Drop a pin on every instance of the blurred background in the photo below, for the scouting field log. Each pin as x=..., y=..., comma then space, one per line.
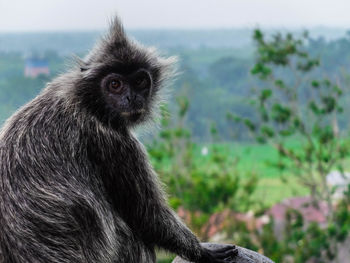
x=254, y=143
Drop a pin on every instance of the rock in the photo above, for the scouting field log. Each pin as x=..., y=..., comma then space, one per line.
x=244, y=255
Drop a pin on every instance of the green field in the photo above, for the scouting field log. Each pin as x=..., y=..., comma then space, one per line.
x=256, y=158
x=248, y=159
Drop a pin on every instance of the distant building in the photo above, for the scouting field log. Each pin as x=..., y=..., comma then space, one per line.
x=35, y=67
x=304, y=205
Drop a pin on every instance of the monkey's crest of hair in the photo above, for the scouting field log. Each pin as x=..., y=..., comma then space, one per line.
x=115, y=48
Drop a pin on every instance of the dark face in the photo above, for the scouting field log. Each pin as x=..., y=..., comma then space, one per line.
x=118, y=96
x=127, y=95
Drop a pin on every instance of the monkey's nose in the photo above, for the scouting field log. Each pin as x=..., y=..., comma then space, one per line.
x=128, y=98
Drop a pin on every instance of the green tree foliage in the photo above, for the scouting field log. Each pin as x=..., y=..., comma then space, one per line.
x=302, y=108
x=202, y=188
x=303, y=242
x=306, y=109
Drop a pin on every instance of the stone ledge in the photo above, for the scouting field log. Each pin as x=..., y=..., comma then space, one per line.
x=244, y=255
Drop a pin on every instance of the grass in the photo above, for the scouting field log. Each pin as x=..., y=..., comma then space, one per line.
x=256, y=158
x=253, y=158
x=273, y=190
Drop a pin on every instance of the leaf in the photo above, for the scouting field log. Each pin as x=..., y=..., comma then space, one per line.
x=315, y=84
x=267, y=131
x=265, y=94
x=250, y=125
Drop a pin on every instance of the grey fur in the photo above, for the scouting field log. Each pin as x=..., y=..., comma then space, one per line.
x=76, y=184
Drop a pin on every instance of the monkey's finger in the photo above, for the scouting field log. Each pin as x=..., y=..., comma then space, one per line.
x=228, y=253
x=231, y=259
x=225, y=248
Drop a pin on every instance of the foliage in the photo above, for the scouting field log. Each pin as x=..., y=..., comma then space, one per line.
x=307, y=242
x=304, y=108
x=202, y=188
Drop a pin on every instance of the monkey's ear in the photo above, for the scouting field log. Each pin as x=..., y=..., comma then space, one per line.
x=80, y=63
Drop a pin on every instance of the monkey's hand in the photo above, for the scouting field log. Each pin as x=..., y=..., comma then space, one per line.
x=224, y=254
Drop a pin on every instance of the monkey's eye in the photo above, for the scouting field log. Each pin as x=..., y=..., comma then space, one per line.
x=115, y=85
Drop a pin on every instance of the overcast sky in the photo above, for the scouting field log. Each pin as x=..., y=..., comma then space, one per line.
x=34, y=15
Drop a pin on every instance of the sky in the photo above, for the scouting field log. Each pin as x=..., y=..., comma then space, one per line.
x=48, y=15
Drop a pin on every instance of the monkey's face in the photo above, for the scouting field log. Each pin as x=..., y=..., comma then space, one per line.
x=119, y=94
x=120, y=82
x=127, y=95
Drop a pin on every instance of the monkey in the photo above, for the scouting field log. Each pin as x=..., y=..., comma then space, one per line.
x=76, y=184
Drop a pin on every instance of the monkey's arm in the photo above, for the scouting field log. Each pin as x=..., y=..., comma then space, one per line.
x=168, y=232
x=156, y=223
x=162, y=227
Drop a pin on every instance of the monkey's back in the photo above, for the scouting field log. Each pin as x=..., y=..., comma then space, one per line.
x=53, y=207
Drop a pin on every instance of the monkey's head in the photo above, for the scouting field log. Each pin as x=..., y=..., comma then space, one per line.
x=120, y=81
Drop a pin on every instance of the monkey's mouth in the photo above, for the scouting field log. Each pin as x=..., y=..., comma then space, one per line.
x=133, y=114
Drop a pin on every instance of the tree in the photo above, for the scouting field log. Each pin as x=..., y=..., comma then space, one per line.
x=298, y=115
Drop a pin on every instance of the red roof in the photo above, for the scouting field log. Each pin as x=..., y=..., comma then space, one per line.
x=304, y=205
